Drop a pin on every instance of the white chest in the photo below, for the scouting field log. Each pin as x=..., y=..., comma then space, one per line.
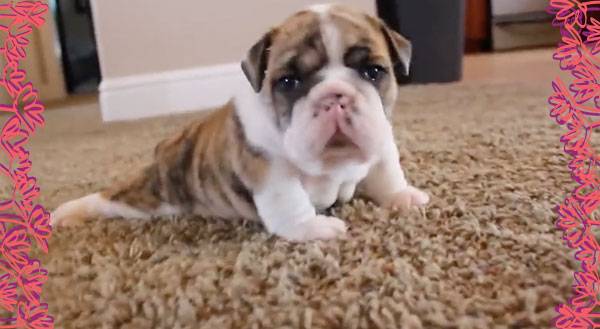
x=325, y=190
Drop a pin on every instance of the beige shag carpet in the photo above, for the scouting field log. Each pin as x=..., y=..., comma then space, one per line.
x=484, y=254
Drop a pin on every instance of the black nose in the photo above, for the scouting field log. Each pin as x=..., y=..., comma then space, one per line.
x=338, y=96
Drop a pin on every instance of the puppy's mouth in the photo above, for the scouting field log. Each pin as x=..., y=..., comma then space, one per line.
x=339, y=141
x=341, y=148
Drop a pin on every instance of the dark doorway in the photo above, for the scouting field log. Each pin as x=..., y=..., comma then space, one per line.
x=78, y=45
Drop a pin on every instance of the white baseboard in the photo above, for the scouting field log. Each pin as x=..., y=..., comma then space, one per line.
x=164, y=93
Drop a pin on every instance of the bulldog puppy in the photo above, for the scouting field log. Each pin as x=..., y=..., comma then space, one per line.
x=311, y=127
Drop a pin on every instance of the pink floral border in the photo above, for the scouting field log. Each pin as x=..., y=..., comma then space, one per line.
x=577, y=107
x=23, y=222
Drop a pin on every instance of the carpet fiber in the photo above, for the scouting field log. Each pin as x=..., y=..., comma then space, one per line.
x=484, y=254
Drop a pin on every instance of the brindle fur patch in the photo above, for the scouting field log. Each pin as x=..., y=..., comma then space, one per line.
x=141, y=191
x=298, y=50
x=211, y=156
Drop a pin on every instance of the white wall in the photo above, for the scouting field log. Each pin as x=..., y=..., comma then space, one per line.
x=160, y=57
x=144, y=36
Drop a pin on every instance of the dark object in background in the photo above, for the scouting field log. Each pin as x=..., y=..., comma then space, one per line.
x=436, y=29
x=78, y=45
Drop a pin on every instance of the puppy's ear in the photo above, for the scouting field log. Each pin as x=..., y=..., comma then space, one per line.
x=255, y=64
x=400, y=49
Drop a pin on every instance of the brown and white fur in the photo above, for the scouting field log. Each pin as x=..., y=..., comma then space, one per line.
x=312, y=127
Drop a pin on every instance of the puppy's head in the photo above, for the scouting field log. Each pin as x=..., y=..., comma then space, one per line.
x=329, y=75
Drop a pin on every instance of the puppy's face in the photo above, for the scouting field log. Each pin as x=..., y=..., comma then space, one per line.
x=329, y=77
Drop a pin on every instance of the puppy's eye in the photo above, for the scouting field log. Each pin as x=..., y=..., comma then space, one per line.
x=288, y=83
x=372, y=73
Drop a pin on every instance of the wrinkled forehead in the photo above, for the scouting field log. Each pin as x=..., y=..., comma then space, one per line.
x=310, y=39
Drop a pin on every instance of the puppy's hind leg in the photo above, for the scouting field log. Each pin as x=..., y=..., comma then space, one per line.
x=138, y=198
x=91, y=206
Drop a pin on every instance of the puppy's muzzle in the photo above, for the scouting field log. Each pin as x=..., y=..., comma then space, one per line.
x=333, y=98
x=334, y=105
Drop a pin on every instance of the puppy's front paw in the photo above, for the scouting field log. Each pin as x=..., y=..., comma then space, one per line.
x=407, y=198
x=315, y=228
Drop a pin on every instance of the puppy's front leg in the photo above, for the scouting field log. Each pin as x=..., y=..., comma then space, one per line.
x=387, y=186
x=285, y=209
